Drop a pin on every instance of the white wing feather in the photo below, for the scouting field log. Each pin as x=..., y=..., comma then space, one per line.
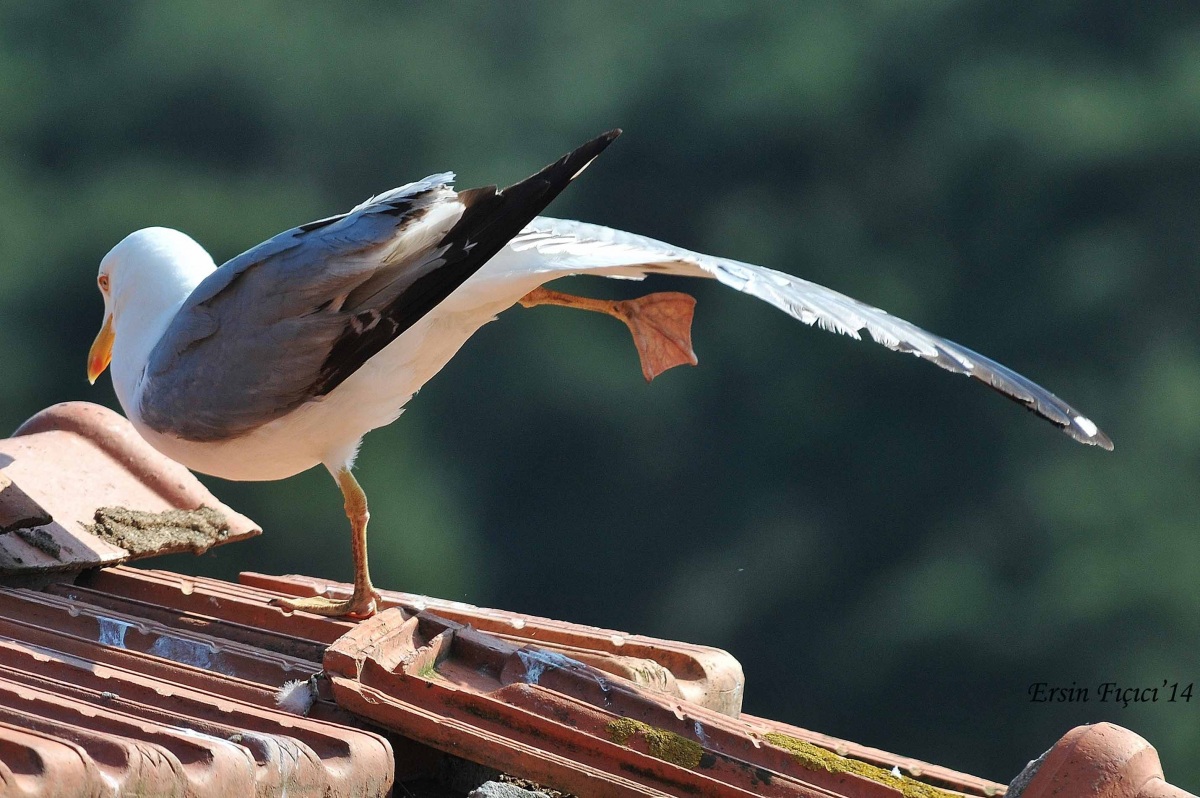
x=550, y=248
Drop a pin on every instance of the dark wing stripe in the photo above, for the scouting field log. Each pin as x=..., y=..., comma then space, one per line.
x=490, y=220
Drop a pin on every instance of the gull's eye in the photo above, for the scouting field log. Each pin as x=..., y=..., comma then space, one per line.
x=103, y=281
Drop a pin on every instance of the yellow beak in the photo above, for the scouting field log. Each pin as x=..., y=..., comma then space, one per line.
x=101, y=352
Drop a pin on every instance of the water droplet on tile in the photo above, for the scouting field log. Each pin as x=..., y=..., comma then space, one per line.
x=517, y=623
x=617, y=640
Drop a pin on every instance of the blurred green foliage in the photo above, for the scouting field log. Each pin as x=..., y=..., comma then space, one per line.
x=894, y=554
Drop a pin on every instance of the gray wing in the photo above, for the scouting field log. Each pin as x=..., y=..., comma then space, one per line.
x=560, y=246
x=291, y=319
x=248, y=343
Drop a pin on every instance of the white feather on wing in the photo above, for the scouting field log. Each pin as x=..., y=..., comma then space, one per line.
x=557, y=247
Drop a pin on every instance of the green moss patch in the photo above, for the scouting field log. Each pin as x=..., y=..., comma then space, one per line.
x=814, y=757
x=662, y=744
x=142, y=533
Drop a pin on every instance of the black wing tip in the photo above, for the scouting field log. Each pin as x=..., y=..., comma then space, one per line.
x=586, y=152
x=611, y=135
x=489, y=221
x=558, y=174
x=598, y=143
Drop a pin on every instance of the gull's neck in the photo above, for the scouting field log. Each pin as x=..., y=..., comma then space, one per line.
x=156, y=270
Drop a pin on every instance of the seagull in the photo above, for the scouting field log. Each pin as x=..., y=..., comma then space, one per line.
x=286, y=356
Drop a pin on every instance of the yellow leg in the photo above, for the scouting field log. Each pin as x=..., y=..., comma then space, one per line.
x=362, y=603
x=661, y=324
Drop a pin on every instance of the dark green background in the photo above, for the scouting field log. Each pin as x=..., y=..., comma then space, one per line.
x=893, y=553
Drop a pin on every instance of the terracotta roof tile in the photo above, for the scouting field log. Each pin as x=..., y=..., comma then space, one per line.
x=522, y=707
x=146, y=676
x=700, y=674
x=17, y=510
x=173, y=709
x=30, y=760
x=68, y=462
x=1102, y=760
